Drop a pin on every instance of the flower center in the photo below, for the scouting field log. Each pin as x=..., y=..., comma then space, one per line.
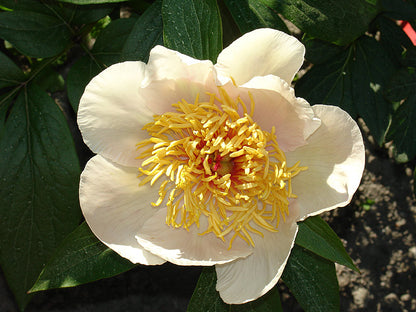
x=216, y=163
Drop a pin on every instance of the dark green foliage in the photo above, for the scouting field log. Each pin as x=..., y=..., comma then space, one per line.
x=358, y=58
x=317, y=236
x=81, y=258
x=38, y=188
x=193, y=28
x=306, y=268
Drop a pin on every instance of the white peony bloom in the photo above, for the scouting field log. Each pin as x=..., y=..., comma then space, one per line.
x=202, y=164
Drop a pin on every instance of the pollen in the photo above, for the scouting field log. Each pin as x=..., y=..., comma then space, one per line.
x=215, y=162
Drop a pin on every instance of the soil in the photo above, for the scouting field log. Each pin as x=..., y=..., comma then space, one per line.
x=378, y=230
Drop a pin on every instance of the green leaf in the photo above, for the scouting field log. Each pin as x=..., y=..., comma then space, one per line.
x=206, y=299
x=106, y=51
x=11, y=74
x=253, y=14
x=39, y=173
x=81, y=258
x=317, y=236
x=312, y=280
x=49, y=80
x=318, y=51
x=109, y=44
x=34, y=34
x=393, y=38
x=193, y=28
x=402, y=130
x=3, y=114
x=84, y=2
x=336, y=21
x=410, y=57
x=78, y=77
x=24, y=5
x=399, y=9
x=354, y=80
x=402, y=85
x=147, y=32
x=79, y=15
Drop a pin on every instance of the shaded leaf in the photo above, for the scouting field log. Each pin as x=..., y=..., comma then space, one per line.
x=318, y=51
x=145, y=34
x=399, y=9
x=78, y=15
x=78, y=77
x=410, y=57
x=336, y=21
x=206, y=299
x=106, y=51
x=354, y=80
x=393, y=38
x=109, y=44
x=49, y=80
x=402, y=85
x=3, y=115
x=81, y=258
x=34, y=34
x=317, y=236
x=193, y=28
x=11, y=74
x=312, y=280
x=330, y=82
x=84, y=2
x=402, y=130
x=39, y=173
x=253, y=14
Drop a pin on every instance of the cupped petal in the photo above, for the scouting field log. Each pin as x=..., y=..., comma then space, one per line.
x=260, y=53
x=275, y=105
x=335, y=157
x=169, y=64
x=161, y=94
x=188, y=247
x=175, y=76
x=247, y=279
x=115, y=207
x=112, y=113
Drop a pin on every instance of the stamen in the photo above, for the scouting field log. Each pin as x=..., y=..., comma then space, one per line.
x=219, y=165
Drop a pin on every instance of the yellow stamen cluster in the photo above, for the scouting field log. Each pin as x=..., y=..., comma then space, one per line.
x=216, y=163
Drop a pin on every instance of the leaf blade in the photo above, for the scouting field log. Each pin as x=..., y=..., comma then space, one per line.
x=34, y=34
x=312, y=280
x=80, y=259
x=38, y=189
x=316, y=235
x=254, y=14
x=145, y=34
x=193, y=28
x=328, y=20
x=355, y=81
x=11, y=74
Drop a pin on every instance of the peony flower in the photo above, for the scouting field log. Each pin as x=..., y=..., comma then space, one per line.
x=202, y=164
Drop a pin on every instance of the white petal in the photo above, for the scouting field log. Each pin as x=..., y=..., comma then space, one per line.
x=115, y=207
x=276, y=105
x=161, y=94
x=184, y=247
x=112, y=113
x=335, y=158
x=169, y=64
x=247, y=279
x=172, y=76
x=260, y=53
